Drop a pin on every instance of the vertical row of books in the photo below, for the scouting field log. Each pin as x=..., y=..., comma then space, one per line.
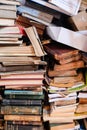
x=22, y=70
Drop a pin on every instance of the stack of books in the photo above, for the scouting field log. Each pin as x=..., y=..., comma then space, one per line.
x=82, y=100
x=21, y=71
x=22, y=102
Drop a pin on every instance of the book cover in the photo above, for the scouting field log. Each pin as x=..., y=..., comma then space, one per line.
x=21, y=110
x=68, y=37
x=60, y=51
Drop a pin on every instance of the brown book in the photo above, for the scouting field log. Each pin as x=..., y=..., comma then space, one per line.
x=71, y=59
x=67, y=85
x=67, y=79
x=21, y=110
x=53, y=73
x=83, y=100
x=63, y=126
x=72, y=65
x=22, y=117
x=26, y=22
x=81, y=108
x=59, y=51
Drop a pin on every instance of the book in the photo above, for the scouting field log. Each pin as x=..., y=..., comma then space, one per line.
x=9, y=30
x=59, y=51
x=17, y=51
x=23, y=75
x=35, y=19
x=23, y=60
x=3, y=43
x=22, y=92
x=24, y=87
x=72, y=65
x=22, y=117
x=8, y=7
x=34, y=97
x=67, y=79
x=11, y=35
x=22, y=102
x=18, y=68
x=7, y=14
x=35, y=13
x=64, y=102
x=35, y=41
x=81, y=108
x=21, y=110
x=26, y=22
x=71, y=38
x=79, y=21
x=66, y=6
x=24, y=123
x=71, y=59
x=30, y=82
x=53, y=73
x=62, y=126
x=7, y=22
x=10, y=2
x=22, y=126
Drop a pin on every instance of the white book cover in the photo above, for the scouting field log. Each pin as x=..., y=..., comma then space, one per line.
x=70, y=7
x=82, y=95
x=68, y=37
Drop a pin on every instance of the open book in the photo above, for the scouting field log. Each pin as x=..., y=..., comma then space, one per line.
x=68, y=37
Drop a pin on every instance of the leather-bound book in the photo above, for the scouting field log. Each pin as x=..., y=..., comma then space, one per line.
x=60, y=51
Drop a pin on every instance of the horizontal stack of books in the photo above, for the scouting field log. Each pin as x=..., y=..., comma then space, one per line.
x=21, y=71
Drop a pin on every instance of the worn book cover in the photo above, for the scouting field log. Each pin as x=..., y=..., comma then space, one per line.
x=60, y=51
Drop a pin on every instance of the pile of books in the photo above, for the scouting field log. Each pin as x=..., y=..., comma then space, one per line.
x=21, y=71
x=43, y=45
x=64, y=77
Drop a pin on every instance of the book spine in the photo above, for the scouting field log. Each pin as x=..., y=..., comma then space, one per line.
x=21, y=110
x=13, y=96
x=22, y=127
x=22, y=92
x=21, y=102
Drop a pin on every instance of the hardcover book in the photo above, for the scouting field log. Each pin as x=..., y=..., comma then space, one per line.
x=60, y=51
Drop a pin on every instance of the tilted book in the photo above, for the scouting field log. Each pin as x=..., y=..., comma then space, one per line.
x=68, y=37
x=35, y=41
x=69, y=7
